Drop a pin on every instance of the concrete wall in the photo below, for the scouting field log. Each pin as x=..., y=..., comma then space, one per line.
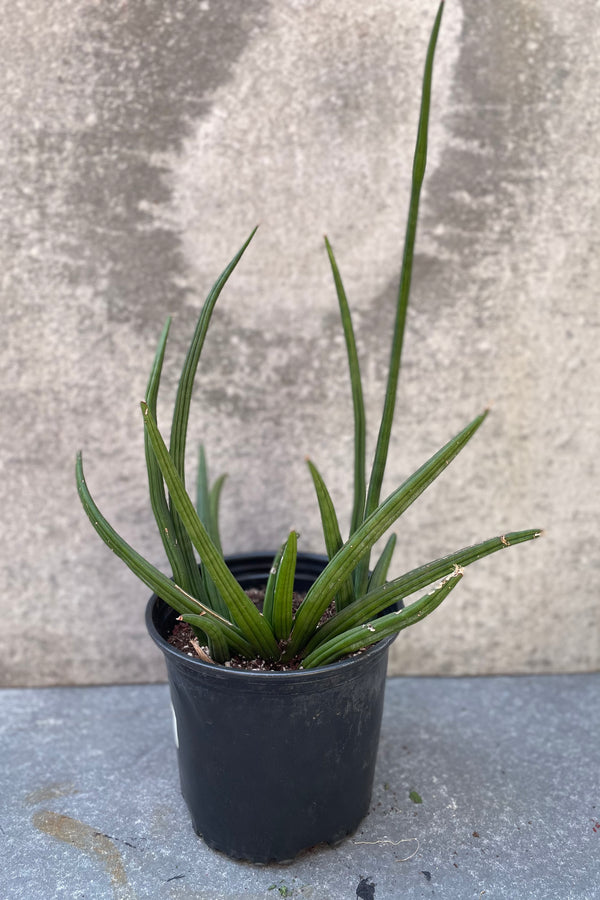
x=141, y=141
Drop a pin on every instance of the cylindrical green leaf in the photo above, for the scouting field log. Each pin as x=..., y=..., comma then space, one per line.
x=269, y=600
x=419, y=163
x=378, y=599
x=184, y=396
x=185, y=570
x=377, y=629
x=327, y=584
x=331, y=533
x=157, y=581
x=358, y=507
x=379, y=573
x=284, y=589
x=233, y=640
x=254, y=627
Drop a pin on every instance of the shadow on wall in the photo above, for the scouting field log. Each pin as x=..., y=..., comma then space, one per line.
x=508, y=79
x=154, y=67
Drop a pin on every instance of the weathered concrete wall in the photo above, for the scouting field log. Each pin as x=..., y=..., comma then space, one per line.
x=140, y=142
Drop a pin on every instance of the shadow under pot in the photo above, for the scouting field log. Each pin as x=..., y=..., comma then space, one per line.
x=273, y=763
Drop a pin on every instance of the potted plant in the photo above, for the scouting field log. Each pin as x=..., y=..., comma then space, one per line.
x=277, y=713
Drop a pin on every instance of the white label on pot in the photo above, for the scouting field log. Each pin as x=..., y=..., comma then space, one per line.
x=175, y=734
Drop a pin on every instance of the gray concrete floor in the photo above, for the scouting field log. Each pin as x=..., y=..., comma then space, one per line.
x=508, y=770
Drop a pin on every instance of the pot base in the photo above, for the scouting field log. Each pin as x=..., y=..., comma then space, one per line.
x=280, y=862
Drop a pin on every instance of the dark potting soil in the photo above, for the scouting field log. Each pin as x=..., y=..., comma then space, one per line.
x=184, y=639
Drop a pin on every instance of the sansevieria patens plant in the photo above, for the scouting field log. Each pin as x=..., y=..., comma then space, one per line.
x=209, y=598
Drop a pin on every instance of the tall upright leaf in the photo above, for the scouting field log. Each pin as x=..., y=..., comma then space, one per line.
x=418, y=172
x=357, y=396
x=183, y=399
x=185, y=570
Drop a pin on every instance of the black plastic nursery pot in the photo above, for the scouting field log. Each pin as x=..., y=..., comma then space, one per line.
x=273, y=763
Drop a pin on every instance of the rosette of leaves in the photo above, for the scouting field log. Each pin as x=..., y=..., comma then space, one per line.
x=208, y=596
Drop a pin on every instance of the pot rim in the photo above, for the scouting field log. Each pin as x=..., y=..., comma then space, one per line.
x=217, y=670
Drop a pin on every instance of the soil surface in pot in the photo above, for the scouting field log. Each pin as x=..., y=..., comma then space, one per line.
x=184, y=639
